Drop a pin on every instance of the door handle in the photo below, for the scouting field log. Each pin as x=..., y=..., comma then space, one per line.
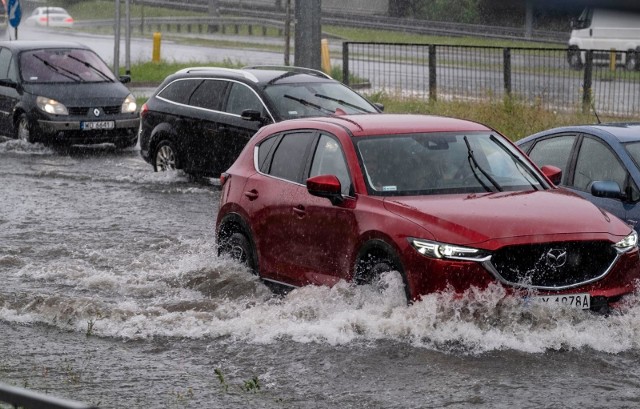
x=251, y=194
x=299, y=210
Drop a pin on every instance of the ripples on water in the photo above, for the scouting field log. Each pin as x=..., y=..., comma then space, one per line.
x=141, y=285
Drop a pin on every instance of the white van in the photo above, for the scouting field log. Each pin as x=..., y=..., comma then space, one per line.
x=603, y=30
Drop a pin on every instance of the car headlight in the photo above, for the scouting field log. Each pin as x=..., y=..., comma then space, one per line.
x=51, y=106
x=129, y=105
x=434, y=249
x=628, y=243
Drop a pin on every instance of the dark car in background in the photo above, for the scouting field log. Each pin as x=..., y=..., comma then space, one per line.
x=200, y=118
x=449, y=204
x=598, y=162
x=63, y=92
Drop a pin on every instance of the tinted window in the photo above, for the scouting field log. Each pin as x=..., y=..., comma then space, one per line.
x=242, y=97
x=329, y=160
x=209, y=94
x=597, y=162
x=5, y=62
x=180, y=90
x=288, y=158
x=265, y=149
x=555, y=152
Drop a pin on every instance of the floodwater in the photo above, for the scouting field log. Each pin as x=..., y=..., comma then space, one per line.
x=112, y=294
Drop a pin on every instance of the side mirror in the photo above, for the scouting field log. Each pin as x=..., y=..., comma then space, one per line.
x=5, y=82
x=125, y=79
x=606, y=188
x=326, y=186
x=251, y=115
x=553, y=173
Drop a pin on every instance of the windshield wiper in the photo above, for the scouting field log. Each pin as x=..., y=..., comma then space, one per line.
x=309, y=104
x=89, y=65
x=472, y=158
x=341, y=102
x=59, y=70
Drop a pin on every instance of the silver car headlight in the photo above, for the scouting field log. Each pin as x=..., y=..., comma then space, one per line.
x=129, y=105
x=438, y=250
x=51, y=106
x=628, y=243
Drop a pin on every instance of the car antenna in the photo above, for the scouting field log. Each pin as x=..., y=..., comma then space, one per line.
x=593, y=106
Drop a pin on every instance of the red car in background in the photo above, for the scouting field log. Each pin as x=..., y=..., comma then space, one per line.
x=450, y=204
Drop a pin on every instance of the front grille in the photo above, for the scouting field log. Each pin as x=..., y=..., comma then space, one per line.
x=84, y=111
x=553, y=265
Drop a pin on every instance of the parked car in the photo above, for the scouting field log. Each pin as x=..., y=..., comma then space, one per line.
x=199, y=119
x=49, y=17
x=448, y=203
x=598, y=162
x=63, y=92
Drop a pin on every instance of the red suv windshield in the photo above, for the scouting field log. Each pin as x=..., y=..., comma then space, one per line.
x=444, y=163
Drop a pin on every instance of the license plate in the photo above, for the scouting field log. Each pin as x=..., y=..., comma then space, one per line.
x=581, y=301
x=86, y=126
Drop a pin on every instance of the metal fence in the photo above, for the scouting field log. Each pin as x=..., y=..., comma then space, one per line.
x=540, y=76
x=27, y=399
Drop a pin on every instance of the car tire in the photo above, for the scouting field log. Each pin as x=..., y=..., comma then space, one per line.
x=574, y=59
x=377, y=261
x=631, y=63
x=165, y=156
x=23, y=129
x=238, y=246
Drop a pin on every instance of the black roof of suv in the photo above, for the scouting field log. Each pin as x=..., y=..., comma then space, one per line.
x=200, y=118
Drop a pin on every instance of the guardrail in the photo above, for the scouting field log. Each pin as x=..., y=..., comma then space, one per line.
x=541, y=76
x=24, y=398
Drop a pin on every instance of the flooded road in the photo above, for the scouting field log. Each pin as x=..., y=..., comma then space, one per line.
x=112, y=294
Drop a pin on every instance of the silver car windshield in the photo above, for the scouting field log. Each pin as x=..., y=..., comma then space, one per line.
x=441, y=163
x=309, y=99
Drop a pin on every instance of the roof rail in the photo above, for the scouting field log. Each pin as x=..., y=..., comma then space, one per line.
x=247, y=75
x=300, y=70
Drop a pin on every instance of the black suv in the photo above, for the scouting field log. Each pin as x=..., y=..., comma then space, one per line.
x=200, y=118
x=63, y=92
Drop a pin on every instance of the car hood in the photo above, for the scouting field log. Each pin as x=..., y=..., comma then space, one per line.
x=81, y=94
x=478, y=218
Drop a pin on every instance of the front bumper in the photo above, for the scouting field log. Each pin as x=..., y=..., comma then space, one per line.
x=71, y=131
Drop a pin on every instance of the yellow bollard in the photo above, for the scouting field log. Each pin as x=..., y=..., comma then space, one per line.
x=326, y=60
x=612, y=59
x=155, y=55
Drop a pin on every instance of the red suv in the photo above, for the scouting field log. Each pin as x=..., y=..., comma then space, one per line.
x=449, y=204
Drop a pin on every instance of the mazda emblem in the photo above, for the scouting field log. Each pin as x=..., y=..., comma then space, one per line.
x=96, y=112
x=556, y=258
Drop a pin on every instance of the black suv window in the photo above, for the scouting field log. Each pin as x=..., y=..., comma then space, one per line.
x=242, y=97
x=179, y=90
x=5, y=62
x=209, y=94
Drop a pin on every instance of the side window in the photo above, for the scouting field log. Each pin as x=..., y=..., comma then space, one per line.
x=289, y=156
x=597, y=162
x=179, y=90
x=209, y=94
x=329, y=160
x=5, y=63
x=265, y=150
x=242, y=97
x=554, y=151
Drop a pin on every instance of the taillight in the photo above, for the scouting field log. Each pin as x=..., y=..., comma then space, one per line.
x=144, y=109
x=68, y=20
x=223, y=178
x=43, y=19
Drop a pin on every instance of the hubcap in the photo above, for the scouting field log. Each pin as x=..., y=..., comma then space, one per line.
x=165, y=159
x=237, y=253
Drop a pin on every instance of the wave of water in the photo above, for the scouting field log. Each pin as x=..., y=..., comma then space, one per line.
x=205, y=297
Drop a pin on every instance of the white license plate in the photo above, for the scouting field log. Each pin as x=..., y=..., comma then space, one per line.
x=97, y=125
x=581, y=301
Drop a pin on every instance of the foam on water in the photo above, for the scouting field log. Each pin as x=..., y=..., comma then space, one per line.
x=202, y=296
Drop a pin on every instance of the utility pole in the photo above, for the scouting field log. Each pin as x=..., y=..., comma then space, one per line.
x=308, y=31
x=127, y=36
x=287, y=33
x=116, y=45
